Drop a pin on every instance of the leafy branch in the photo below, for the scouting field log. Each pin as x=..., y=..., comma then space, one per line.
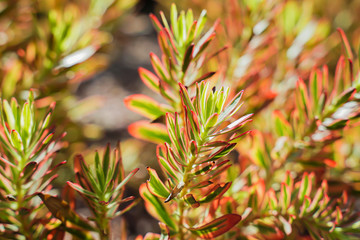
x=27, y=152
x=183, y=43
x=192, y=163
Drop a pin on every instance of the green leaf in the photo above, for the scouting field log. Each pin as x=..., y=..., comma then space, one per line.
x=321, y=104
x=289, y=17
x=231, y=108
x=182, y=28
x=172, y=127
x=16, y=140
x=145, y=106
x=149, y=79
x=336, y=124
x=26, y=122
x=216, y=192
x=156, y=186
x=9, y=114
x=346, y=44
x=81, y=169
x=173, y=18
x=305, y=205
x=14, y=106
x=61, y=210
x=189, y=198
x=201, y=23
x=187, y=57
x=212, y=121
x=106, y=161
x=168, y=168
x=303, y=97
x=159, y=68
x=118, y=188
x=185, y=98
x=191, y=33
x=46, y=121
x=193, y=148
x=165, y=22
x=286, y=225
x=7, y=162
x=285, y=197
x=236, y=125
x=260, y=158
x=99, y=173
x=216, y=227
x=344, y=97
x=29, y=169
x=153, y=132
x=189, y=18
x=82, y=190
x=192, y=118
x=47, y=139
x=205, y=40
x=314, y=84
x=316, y=199
x=155, y=22
x=210, y=105
x=155, y=207
x=173, y=158
x=289, y=181
x=203, y=168
x=272, y=199
x=164, y=45
x=223, y=151
x=305, y=187
x=282, y=126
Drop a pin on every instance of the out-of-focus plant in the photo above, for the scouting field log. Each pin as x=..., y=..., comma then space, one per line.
x=52, y=46
x=183, y=43
x=304, y=139
x=27, y=151
x=102, y=188
x=324, y=106
x=301, y=209
x=270, y=44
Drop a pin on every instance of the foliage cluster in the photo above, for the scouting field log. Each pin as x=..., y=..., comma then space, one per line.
x=276, y=172
x=298, y=139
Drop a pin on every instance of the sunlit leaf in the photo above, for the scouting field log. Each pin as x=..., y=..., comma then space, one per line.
x=155, y=207
x=153, y=132
x=155, y=185
x=216, y=227
x=145, y=106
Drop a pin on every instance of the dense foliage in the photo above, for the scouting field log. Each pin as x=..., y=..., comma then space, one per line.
x=256, y=126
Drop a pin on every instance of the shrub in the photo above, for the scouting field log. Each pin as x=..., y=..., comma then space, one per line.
x=267, y=164
x=279, y=187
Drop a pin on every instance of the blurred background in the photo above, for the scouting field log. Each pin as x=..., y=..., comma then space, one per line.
x=90, y=51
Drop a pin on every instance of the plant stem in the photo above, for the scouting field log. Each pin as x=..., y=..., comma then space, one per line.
x=181, y=210
x=104, y=224
x=185, y=188
x=20, y=196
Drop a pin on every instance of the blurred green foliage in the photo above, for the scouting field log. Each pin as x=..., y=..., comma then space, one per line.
x=52, y=46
